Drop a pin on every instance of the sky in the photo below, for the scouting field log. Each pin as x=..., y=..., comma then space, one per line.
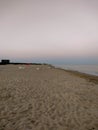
x=55, y=31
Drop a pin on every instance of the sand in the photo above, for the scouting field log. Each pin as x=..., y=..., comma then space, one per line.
x=41, y=97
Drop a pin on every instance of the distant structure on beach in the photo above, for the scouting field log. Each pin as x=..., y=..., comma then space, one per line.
x=5, y=61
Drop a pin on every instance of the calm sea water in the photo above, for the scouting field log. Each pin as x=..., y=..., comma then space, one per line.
x=89, y=69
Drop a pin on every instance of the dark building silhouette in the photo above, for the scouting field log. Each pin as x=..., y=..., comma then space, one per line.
x=5, y=61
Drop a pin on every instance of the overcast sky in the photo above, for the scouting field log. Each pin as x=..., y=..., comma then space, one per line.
x=49, y=29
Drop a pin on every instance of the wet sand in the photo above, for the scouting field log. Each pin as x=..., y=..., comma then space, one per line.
x=41, y=97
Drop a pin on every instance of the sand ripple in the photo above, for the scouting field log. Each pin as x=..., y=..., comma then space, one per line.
x=46, y=99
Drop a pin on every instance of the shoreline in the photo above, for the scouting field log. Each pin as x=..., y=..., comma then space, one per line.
x=91, y=69
x=88, y=77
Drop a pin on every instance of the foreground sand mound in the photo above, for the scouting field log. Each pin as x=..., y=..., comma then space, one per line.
x=40, y=97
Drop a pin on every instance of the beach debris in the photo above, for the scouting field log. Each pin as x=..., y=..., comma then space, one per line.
x=37, y=68
x=21, y=67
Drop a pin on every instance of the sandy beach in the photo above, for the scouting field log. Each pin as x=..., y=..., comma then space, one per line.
x=42, y=97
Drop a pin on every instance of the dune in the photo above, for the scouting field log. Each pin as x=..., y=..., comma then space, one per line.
x=42, y=97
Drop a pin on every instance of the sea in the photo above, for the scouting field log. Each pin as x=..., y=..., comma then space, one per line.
x=88, y=69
